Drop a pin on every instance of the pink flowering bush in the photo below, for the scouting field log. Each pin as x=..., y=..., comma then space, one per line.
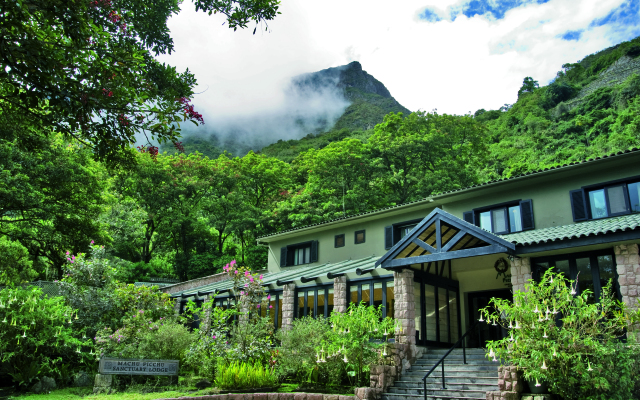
x=221, y=342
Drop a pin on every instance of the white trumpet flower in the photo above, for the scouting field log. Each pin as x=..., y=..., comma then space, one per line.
x=544, y=365
x=589, y=369
x=538, y=383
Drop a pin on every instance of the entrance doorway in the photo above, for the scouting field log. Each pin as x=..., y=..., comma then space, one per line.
x=437, y=310
x=484, y=332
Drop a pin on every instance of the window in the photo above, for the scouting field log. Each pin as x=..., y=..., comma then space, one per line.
x=273, y=310
x=339, y=241
x=395, y=232
x=374, y=292
x=359, y=237
x=314, y=301
x=515, y=216
x=593, y=270
x=299, y=253
x=606, y=200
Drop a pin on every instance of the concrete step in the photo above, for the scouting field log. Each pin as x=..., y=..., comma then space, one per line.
x=451, y=373
x=448, y=362
x=439, y=392
x=437, y=384
x=453, y=357
x=393, y=396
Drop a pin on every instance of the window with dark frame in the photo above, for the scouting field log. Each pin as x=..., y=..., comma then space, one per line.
x=608, y=199
x=339, y=240
x=394, y=233
x=273, y=310
x=299, y=254
x=314, y=301
x=504, y=218
x=374, y=292
x=359, y=237
x=593, y=270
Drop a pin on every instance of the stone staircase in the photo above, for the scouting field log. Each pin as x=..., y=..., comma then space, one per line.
x=463, y=381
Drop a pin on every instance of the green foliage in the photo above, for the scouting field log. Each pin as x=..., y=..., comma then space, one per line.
x=51, y=193
x=297, y=358
x=242, y=375
x=89, y=286
x=62, y=70
x=350, y=340
x=36, y=335
x=15, y=265
x=528, y=86
x=567, y=340
x=143, y=336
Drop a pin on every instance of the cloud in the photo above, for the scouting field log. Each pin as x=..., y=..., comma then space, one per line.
x=425, y=57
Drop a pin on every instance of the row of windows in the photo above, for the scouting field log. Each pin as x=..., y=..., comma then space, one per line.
x=510, y=217
x=358, y=238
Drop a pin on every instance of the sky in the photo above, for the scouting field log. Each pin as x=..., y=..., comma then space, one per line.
x=455, y=56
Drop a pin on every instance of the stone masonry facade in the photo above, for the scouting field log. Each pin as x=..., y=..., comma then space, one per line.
x=520, y=272
x=340, y=303
x=288, y=305
x=628, y=267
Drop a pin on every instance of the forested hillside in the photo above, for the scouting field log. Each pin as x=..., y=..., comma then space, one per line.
x=185, y=215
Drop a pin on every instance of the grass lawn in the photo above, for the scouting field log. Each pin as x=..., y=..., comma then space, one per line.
x=132, y=394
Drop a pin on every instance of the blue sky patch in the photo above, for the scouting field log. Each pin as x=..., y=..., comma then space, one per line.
x=496, y=8
x=429, y=15
x=572, y=35
x=625, y=14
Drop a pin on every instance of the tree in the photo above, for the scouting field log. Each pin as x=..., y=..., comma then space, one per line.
x=50, y=192
x=427, y=153
x=528, y=86
x=85, y=67
x=15, y=264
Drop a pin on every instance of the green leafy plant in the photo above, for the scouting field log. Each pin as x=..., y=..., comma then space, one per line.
x=355, y=337
x=297, y=357
x=244, y=375
x=36, y=334
x=566, y=339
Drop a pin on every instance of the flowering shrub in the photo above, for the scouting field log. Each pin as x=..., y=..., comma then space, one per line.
x=221, y=342
x=354, y=339
x=142, y=336
x=37, y=335
x=566, y=340
x=89, y=285
x=297, y=357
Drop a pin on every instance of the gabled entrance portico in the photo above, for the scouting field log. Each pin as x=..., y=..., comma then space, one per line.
x=432, y=253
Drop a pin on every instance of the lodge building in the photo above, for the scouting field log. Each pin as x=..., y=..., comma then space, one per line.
x=433, y=263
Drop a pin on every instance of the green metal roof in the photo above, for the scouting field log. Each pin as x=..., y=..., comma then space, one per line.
x=291, y=274
x=574, y=231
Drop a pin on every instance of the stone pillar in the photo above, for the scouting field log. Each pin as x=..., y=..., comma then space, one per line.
x=288, y=305
x=205, y=323
x=176, y=307
x=627, y=264
x=520, y=272
x=405, y=311
x=340, y=303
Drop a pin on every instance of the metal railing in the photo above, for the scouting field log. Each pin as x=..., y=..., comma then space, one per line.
x=441, y=361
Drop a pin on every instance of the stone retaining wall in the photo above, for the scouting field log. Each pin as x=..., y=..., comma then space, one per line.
x=267, y=396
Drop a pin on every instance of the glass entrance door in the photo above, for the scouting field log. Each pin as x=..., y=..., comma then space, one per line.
x=484, y=332
x=437, y=311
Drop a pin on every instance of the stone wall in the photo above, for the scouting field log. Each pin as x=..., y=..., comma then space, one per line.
x=520, y=272
x=628, y=266
x=405, y=306
x=340, y=302
x=268, y=396
x=288, y=305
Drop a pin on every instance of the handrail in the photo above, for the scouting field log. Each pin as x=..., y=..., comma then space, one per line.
x=441, y=361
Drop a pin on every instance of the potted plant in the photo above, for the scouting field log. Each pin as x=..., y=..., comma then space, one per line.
x=565, y=339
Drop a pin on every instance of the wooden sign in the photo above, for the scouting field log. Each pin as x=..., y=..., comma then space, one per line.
x=133, y=366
